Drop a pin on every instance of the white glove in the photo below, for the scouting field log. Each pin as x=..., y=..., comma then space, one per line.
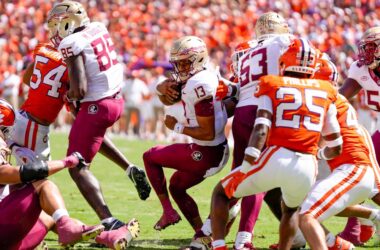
x=23, y=155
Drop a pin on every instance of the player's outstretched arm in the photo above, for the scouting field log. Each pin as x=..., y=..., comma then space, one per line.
x=77, y=76
x=350, y=88
x=37, y=170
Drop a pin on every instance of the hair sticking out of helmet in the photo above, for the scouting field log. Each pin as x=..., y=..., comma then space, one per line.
x=269, y=24
x=369, y=48
x=64, y=18
x=188, y=55
x=300, y=57
x=326, y=70
x=239, y=51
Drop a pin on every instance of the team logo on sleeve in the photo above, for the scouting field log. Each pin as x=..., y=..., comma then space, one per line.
x=197, y=156
x=93, y=109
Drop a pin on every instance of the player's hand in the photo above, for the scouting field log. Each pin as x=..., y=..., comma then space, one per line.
x=165, y=88
x=170, y=122
x=74, y=160
x=221, y=91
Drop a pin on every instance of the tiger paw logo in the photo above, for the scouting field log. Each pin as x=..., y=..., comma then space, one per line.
x=197, y=156
x=93, y=109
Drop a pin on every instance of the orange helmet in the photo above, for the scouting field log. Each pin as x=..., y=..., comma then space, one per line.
x=7, y=114
x=326, y=69
x=300, y=57
x=239, y=51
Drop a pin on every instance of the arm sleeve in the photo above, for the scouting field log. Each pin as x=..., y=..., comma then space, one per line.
x=331, y=124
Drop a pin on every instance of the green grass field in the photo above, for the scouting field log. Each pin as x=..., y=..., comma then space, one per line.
x=124, y=203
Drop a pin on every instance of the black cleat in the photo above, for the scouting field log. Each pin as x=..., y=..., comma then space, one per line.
x=138, y=177
x=115, y=224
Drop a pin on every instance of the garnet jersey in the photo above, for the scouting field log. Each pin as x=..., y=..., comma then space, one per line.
x=197, y=88
x=261, y=60
x=300, y=109
x=103, y=71
x=48, y=84
x=369, y=82
x=355, y=150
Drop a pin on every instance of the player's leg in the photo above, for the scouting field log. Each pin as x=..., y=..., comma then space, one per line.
x=345, y=186
x=136, y=174
x=36, y=235
x=86, y=136
x=69, y=230
x=19, y=213
x=251, y=205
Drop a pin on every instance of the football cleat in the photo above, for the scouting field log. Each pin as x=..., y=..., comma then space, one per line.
x=247, y=246
x=115, y=224
x=341, y=244
x=200, y=241
x=138, y=177
x=120, y=238
x=71, y=231
x=167, y=219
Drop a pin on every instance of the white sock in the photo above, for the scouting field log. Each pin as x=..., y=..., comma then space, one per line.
x=206, y=227
x=108, y=220
x=218, y=243
x=59, y=213
x=330, y=239
x=128, y=170
x=375, y=215
x=241, y=238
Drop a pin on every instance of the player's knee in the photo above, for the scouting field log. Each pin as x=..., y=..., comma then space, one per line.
x=43, y=184
x=176, y=188
x=219, y=192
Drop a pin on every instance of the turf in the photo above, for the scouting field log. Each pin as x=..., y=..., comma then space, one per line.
x=124, y=203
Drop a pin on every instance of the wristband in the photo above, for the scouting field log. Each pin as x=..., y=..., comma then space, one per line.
x=321, y=154
x=338, y=141
x=178, y=128
x=264, y=121
x=253, y=152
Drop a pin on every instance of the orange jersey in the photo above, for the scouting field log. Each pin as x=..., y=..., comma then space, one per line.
x=355, y=149
x=298, y=110
x=48, y=83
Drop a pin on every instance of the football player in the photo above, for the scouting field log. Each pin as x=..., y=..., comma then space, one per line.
x=261, y=59
x=293, y=112
x=95, y=81
x=30, y=204
x=364, y=74
x=48, y=80
x=206, y=119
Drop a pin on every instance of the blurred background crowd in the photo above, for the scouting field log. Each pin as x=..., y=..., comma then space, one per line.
x=143, y=31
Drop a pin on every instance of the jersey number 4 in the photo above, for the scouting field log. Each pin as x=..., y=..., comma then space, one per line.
x=291, y=107
x=52, y=78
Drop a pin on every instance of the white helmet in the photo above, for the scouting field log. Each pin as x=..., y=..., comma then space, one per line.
x=64, y=18
x=269, y=24
x=369, y=48
x=188, y=55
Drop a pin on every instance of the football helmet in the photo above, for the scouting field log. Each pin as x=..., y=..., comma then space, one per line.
x=369, y=48
x=269, y=24
x=326, y=69
x=188, y=55
x=64, y=18
x=239, y=51
x=300, y=57
x=7, y=118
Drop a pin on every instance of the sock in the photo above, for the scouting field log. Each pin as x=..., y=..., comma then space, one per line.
x=206, y=228
x=218, y=243
x=59, y=213
x=108, y=220
x=330, y=240
x=375, y=215
x=166, y=204
x=241, y=238
x=128, y=170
